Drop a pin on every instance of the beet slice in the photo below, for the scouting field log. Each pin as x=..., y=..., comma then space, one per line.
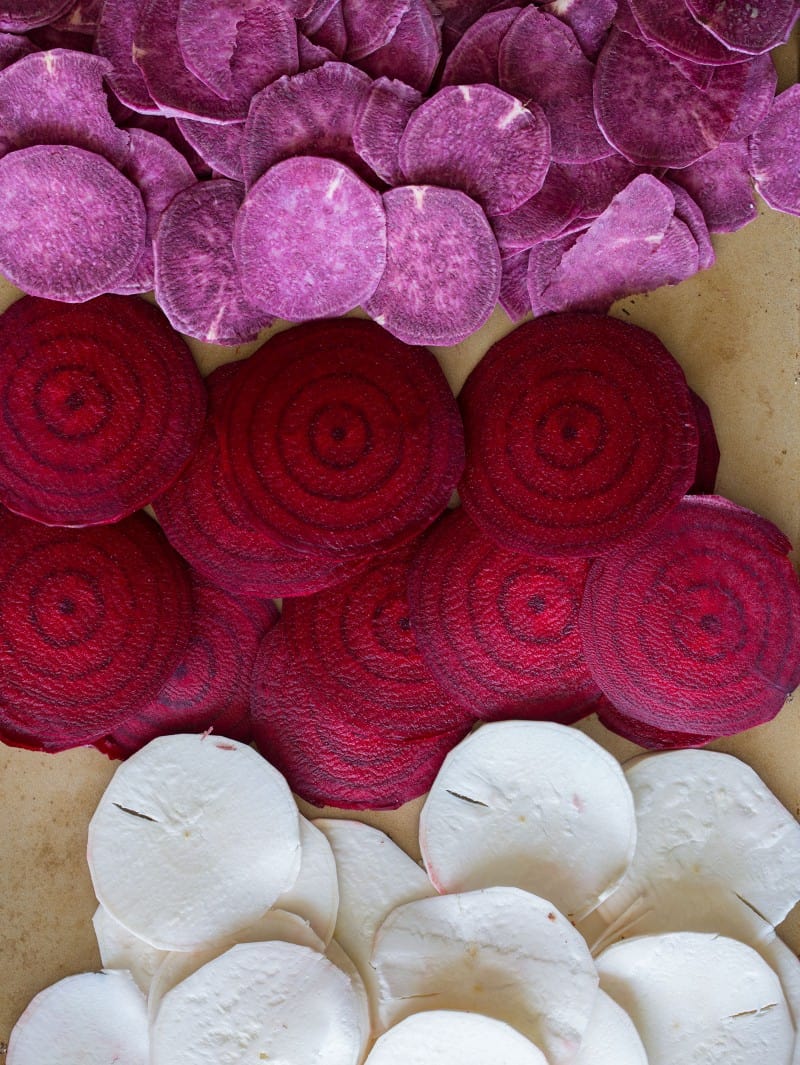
x=589, y=20
x=417, y=300
x=413, y=52
x=13, y=48
x=721, y=186
x=18, y=16
x=102, y=407
x=580, y=435
x=94, y=621
x=480, y=140
x=749, y=28
x=708, y=455
x=499, y=631
x=71, y=226
x=219, y=146
x=367, y=430
x=310, y=240
x=514, y=298
x=646, y=735
x=474, y=60
x=210, y=686
x=380, y=124
x=370, y=25
x=773, y=146
x=704, y=632
x=196, y=278
x=668, y=23
x=119, y=21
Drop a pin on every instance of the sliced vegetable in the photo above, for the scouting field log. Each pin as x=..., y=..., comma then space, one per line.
x=708, y=455
x=314, y=896
x=449, y=1037
x=772, y=147
x=219, y=146
x=413, y=52
x=380, y=124
x=611, y=1038
x=753, y=29
x=474, y=60
x=121, y=949
x=119, y=22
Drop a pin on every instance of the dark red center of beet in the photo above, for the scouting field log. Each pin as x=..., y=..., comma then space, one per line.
x=72, y=402
x=570, y=435
x=340, y=436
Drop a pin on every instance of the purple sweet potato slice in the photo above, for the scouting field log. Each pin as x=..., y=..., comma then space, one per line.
x=196, y=277
x=298, y=9
x=480, y=140
x=652, y=113
x=332, y=34
x=774, y=149
x=459, y=15
x=474, y=60
x=541, y=60
x=119, y=21
x=71, y=226
x=13, y=48
x=649, y=736
x=380, y=125
x=688, y=212
x=82, y=17
x=312, y=113
x=595, y=184
x=312, y=55
x=19, y=16
x=580, y=434
x=310, y=240
x=168, y=129
x=752, y=28
x=413, y=52
x=367, y=430
x=219, y=146
x=669, y=24
x=93, y=622
x=315, y=15
x=514, y=298
x=543, y=216
x=370, y=25
x=694, y=627
x=589, y=20
x=236, y=47
x=442, y=276
x=708, y=456
x=543, y=261
x=721, y=186
x=757, y=97
x=102, y=408
x=329, y=756
x=499, y=631
x=70, y=104
x=210, y=686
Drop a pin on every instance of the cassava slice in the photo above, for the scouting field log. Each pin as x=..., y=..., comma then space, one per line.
x=533, y=805
x=498, y=630
x=193, y=838
x=367, y=429
x=450, y=1037
x=501, y=952
x=414, y=50
x=102, y=407
x=94, y=622
x=773, y=144
x=610, y=440
x=611, y=1038
x=314, y=896
x=711, y=607
x=380, y=124
x=121, y=949
x=748, y=28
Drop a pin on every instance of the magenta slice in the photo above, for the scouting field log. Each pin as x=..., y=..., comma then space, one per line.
x=370, y=25
x=543, y=216
x=310, y=240
x=13, y=48
x=480, y=140
x=315, y=15
x=708, y=456
x=649, y=736
x=332, y=33
x=589, y=20
x=499, y=631
x=219, y=146
x=543, y=261
x=341, y=440
x=93, y=622
x=668, y=23
x=773, y=147
x=18, y=16
x=721, y=186
x=580, y=434
x=380, y=124
x=514, y=298
x=752, y=28
x=119, y=21
x=474, y=60
x=82, y=17
x=694, y=627
x=413, y=52
x=459, y=15
x=688, y=212
x=71, y=226
x=442, y=276
x=312, y=55
x=757, y=97
x=102, y=407
x=595, y=184
x=210, y=686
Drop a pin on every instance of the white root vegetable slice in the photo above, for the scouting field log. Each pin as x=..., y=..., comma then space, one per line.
x=314, y=896
x=449, y=1037
x=611, y=1038
x=375, y=876
x=501, y=952
x=706, y=816
x=260, y=1002
x=121, y=949
x=194, y=838
x=93, y=1018
x=699, y=1000
x=534, y=805
x=342, y=960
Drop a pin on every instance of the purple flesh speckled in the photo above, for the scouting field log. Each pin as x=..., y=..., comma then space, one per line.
x=774, y=150
x=380, y=125
x=414, y=51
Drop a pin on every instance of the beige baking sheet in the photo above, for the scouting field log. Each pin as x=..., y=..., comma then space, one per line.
x=735, y=329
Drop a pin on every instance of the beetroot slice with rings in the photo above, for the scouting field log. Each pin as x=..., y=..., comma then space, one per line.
x=694, y=627
x=102, y=408
x=645, y=735
x=340, y=440
x=94, y=622
x=708, y=455
x=580, y=435
x=498, y=630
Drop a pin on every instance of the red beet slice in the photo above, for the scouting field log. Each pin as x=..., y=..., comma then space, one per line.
x=71, y=226
x=119, y=21
x=708, y=456
x=752, y=28
x=210, y=686
x=219, y=146
x=93, y=622
x=514, y=298
x=669, y=24
x=480, y=140
x=365, y=429
x=688, y=212
x=310, y=240
x=499, y=631
x=695, y=626
x=413, y=52
x=773, y=146
x=370, y=25
x=589, y=20
x=720, y=185
x=649, y=736
x=329, y=756
x=102, y=407
x=417, y=300
x=13, y=48
x=580, y=434
x=543, y=216
x=474, y=60
x=380, y=125
x=18, y=16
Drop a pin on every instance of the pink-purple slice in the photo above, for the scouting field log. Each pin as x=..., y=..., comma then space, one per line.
x=119, y=22
x=474, y=60
x=751, y=28
x=380, y=125
x=774, y=149
x=413, y=52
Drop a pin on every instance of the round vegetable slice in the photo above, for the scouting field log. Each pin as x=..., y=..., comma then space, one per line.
x=449, y=1037
x=368, y=434
x=711, y=645
x=474, y=59
x=219, y=146
x=772, y=146
x=720, y=183
x=609, y=443
x=13, y=47
x=532, y=805
x=748, y=28
x=18, y=16
x=708, y=455
x=669, y=23
x=92, y=1018
x=121, y=949
x=611, y=1038
x=193, y=838
x=649, y=736
x=102, y=407
x=71, y=226
x=370, y=25
x=119, y=20
x=380, y=124
x=413, y=52
x=314, y=896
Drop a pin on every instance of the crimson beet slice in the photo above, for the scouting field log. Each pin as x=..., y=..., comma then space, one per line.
x=580, y=434
x=497, y=629
x=93, y=622
x=708, y=456
x=341, y=440
x=102, y=407
x=646, y=735
x=694, y=626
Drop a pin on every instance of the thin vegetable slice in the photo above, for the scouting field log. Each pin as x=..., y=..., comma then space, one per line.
x=449, y=1037
x=121, y=949
x=669, y=23
x=720, y=184
x=543, y=216
x=756, y=101
x=13, y=48
x=688, y=211
x=601, y=457
x=611, y=1038
x=514, y=298
x=209, y=837
x=219, y=146
x=645, y=735
x=711, y=608
x=590, y=20
x=18, y=16
x=474, y=60
x=752, y=29
x=772, y=146
x=314, y=896
x=413, y=52
x=369, y=26
x=708, y=455
x=380, y=125
x=119, y=21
